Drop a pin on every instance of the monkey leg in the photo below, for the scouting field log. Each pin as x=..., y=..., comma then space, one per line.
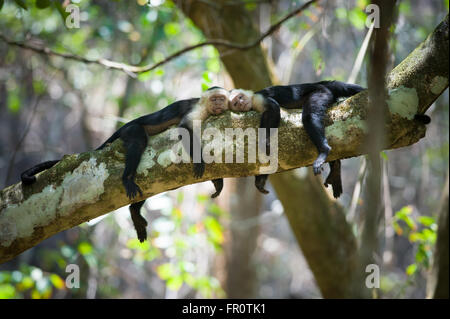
x=316, y=131
x=334, y=178
x=260, y=182
x=199, y=169
x=194, y=143
x=218, y=185
x=315, y=106
x=139, y=222
x=270, y=119
x=134, y=138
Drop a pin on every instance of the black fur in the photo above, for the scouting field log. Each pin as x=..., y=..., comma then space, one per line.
x=135, y=136
x=314, y=99
x=422, y=118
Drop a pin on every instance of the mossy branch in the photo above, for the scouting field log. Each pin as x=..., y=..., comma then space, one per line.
x=84, y=186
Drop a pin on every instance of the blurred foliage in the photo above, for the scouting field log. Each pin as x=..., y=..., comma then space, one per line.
x=183, y=240
x=421, y=233
x=29, y=282
x=176, y=236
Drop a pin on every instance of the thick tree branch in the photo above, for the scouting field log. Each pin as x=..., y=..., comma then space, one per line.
x=82, y=187
x=133, y=69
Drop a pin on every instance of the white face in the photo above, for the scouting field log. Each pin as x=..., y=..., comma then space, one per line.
x=240, y=101
x=217, y=103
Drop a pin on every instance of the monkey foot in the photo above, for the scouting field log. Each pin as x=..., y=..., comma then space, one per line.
x=140, y=224
x=218, y=184
x=215, y=194
x=199, y=169
x=260, y=182
x=317, y=167
x=336, y=184
x=131, y=188
x=263, y=190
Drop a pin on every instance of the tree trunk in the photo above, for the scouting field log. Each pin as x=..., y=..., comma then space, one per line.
x=438, y=280
x=248, y=70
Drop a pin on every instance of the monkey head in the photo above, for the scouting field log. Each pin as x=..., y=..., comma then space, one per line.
x=215, y=100
x=241, y=100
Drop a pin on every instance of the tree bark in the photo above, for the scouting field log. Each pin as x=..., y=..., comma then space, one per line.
x=82, y=187
x=248, y=70
x=438, y=280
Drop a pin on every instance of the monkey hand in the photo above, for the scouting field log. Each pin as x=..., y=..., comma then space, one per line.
x=139, y=223
x=260, y=182
x=334, y=179
x=131, y=188
x=218, y=185
x=199, y=169
x=317, y=168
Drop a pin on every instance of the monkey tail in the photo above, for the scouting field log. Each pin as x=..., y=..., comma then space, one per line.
x=341, y=89
x=28, y=177
x=422, y=118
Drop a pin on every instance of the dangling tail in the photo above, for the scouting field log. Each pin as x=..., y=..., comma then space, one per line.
x=28, y=177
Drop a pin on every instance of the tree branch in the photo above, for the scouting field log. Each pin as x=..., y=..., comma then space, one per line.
x=132, y=69
x=84, y=186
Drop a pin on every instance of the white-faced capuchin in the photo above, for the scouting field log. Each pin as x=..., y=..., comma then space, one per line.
x=134, y=136
x=314, y=99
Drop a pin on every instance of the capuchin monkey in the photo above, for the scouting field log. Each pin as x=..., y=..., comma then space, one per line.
x=314, y=99
x=134, y=136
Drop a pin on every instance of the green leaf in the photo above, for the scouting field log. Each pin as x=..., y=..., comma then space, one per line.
x=426, y=220
x=250, y=6
x=403, y=214
x=341, y=13
x=384, y=155
x=42, y=4
x=213, y=65
x=2, y=2
x=421, y=254
x=411, y=269
x=39, y=86
x=144, y=76
x=214, y=230
x=171, y=28
x=136, y=244
x=201, y=198
x=429, y=235
x=159, y=72
x=165, y=271
x=180, y=197
x=216, y=210
x=357, y=18
x=27, y=283
x=206, y=76
x=416, y=237
x=7, y=291
x=175, y=283
x=404, y=7
x=61, y=10
x=85, y=248
x=13, y=102
x=57, y=281
x=22, y=4
x=205, y=86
